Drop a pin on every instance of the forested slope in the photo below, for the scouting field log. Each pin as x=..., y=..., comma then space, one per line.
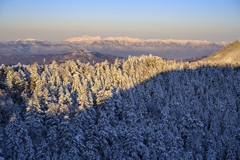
x=143, y=108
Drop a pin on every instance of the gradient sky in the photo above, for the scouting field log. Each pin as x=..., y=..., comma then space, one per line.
x=57, y=20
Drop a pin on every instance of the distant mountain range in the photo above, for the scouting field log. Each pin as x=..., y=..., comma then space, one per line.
x=229, y=54
x=117, y=46
x=82, y=56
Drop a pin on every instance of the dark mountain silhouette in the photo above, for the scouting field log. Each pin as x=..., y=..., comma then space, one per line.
x=82, y=56
x=194, y=59
x=229, y=54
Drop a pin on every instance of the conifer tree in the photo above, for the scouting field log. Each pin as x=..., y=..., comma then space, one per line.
x=18, y=143
x=9, y=78
x=132, y=144
x=52, y=135
x=103, y=134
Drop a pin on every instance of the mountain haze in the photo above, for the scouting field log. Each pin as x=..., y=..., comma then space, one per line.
x=117, y=46
x=82, y=56
x=229, y=54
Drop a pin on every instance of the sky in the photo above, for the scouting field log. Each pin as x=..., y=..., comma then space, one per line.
x=57, y=20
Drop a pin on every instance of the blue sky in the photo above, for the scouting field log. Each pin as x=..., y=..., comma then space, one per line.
x=57, y=20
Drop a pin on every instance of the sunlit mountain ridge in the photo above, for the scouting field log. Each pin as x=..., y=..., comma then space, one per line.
x=117, y=46
x=229, y=54
x=133, y=40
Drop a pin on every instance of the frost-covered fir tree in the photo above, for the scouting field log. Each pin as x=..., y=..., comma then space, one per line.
x=18, y=142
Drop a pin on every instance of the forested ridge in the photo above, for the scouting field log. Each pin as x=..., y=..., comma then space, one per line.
x=141, y=108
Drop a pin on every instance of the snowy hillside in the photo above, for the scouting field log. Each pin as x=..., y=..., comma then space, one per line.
x=143, y=108
x=229, y=54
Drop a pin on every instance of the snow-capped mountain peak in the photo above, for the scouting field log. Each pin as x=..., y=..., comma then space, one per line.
x=123, y=39
x=90, y=39
x=84, y=38
x=29, y=39
x=118, y=46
